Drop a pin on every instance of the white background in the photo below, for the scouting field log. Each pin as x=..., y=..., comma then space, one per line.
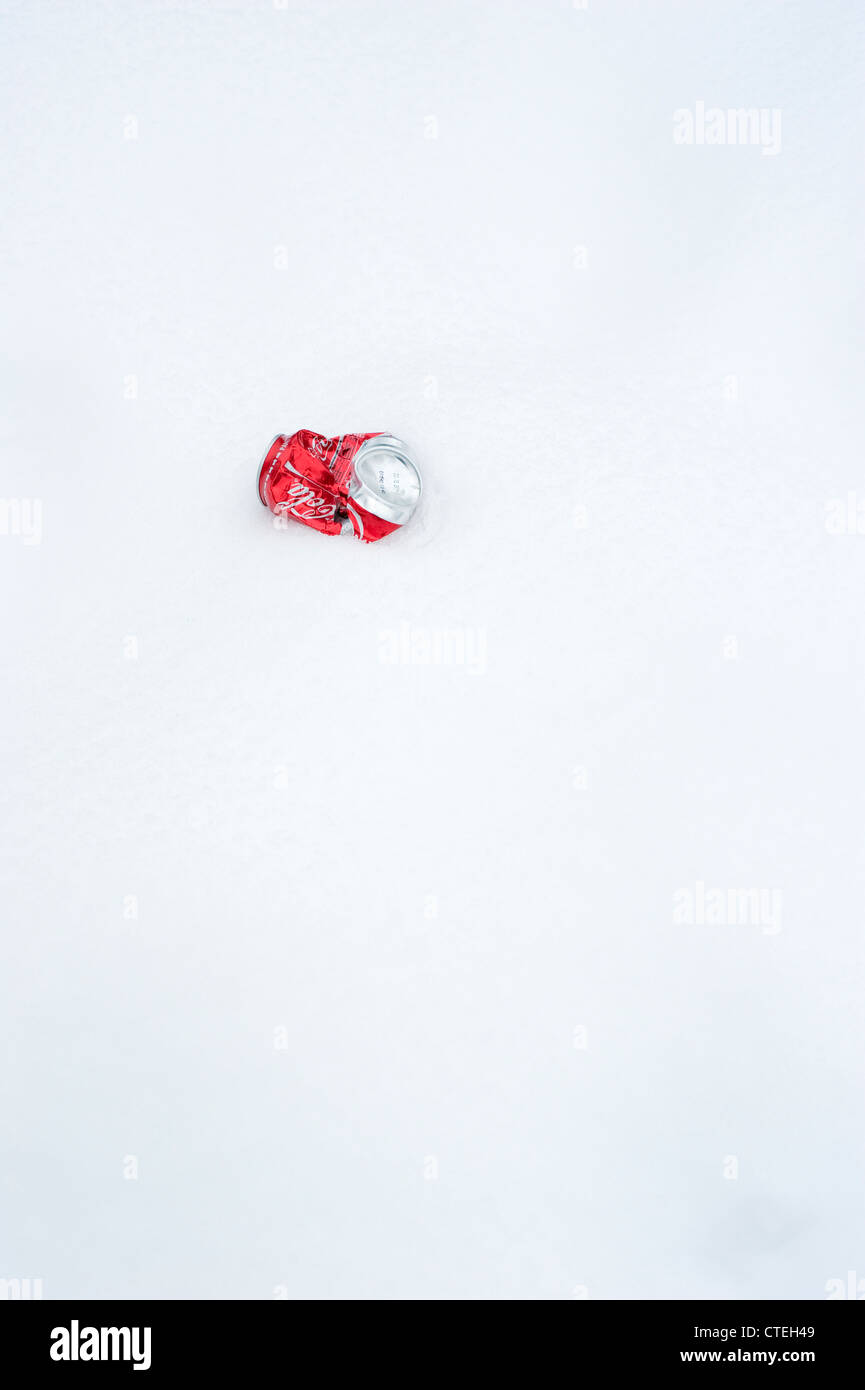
x=366, y=216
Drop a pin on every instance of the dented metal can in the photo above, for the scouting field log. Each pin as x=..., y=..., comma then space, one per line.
x=364, y=485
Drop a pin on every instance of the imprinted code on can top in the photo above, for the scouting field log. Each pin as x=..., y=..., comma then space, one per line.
x=364, y=485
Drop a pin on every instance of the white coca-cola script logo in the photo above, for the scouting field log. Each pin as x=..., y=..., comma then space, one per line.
x=306, y=504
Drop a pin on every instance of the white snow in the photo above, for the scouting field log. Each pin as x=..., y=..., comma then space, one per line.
x=369, y=968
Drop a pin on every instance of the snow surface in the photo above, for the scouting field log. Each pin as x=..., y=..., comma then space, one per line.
x=370, y=970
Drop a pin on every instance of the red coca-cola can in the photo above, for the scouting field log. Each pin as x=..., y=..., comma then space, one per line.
x=364, y=485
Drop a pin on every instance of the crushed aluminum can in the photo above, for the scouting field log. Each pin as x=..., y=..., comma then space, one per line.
x=360, y=484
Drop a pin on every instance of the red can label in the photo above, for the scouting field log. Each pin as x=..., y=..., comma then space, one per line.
x=308, y=477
